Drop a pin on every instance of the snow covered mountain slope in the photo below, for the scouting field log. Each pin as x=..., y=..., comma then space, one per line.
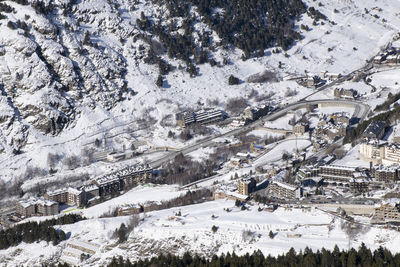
x=74, y=71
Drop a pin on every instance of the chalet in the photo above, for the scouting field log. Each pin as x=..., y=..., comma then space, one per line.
x=312, y=81
x=222, y=194
x=359, y=185
x=130, y=210
x=345, y=93
x=379, y=59
x=391, y=154
x=330, y=76
x=336, y=173
x=300, y=128
x=59, y=195
x=26, y=208
x=329, y=132
x=108, y=184
x=392, y=59
x=116, y=156
x=341, y=117
x=379, y=152
x=355, y=178
x=238, y=123
x=75, y=197
x=46, y=207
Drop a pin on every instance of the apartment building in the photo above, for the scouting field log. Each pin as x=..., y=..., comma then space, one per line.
x=388, y=211
x=246, y=186
x=37, y=207
x=284, y=190
x=123, y=179
x=70, y=196
x=337, y=173
x=386, y=174
x=379, y=152
x=185, y=119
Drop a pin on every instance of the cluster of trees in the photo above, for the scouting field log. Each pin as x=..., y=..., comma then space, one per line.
x=316, y=14
x=236, y=105
x=262, y=199
x=6, y=8
x=33, y=231
x=123, y=231
x=389, y=101
x=183, y=170
x=42, y=8
x=233, y=80
x=361, y=257
x=251, y=26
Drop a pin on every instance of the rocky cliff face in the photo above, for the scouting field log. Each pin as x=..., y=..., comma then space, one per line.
x=59, y=55
x=54, y=57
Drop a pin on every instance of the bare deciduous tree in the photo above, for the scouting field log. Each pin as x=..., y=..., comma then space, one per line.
x=236, y=105
x=72, y=162
x=52, y=160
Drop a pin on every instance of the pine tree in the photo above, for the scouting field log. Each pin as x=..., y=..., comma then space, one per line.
x=271, y=234
x=159, y=81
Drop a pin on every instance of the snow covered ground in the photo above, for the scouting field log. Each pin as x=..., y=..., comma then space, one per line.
x=238, y=231
x=137, y=195
x=276, y=153
x=352, y=159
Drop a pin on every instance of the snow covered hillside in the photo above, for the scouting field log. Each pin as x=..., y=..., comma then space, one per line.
x=72, y=72
x=237, y=230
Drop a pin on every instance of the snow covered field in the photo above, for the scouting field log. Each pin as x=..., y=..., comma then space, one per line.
x=238, y=231
x=276, y=153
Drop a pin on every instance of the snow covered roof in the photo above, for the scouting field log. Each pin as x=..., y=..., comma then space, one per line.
x=383, y=168
x=130, y=170
x=36, y=201
x=57, y=191
x=237, y=195
x=27, y=202
x=246, y=180
x=285, y=185
x=391, y=201
x=74, y=191
x=90, y=187
x=347, y=168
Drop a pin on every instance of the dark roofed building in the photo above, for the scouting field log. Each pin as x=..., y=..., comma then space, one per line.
x=376, y=129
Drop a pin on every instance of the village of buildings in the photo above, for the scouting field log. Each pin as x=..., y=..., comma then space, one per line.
x=309, y=173
x=307, y=176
